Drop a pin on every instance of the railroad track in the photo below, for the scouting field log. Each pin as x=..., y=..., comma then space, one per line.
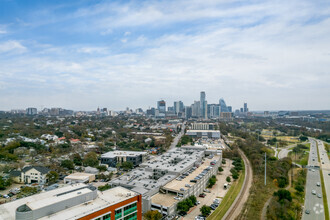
x=236, y=207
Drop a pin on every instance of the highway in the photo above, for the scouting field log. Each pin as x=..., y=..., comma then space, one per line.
x=312, y=202
x=325, y=168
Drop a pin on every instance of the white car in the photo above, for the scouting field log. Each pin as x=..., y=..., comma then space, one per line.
x=313, y=192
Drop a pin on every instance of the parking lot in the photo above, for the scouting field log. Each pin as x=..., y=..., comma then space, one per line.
x=217, y=191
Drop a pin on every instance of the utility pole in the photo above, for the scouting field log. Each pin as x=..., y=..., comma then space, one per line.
x=265, y=169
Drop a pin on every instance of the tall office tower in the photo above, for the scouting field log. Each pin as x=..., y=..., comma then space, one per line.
x=230, y=109
x=188, y=112
x=176, y=107
x=223, y=106
x=181, y=106
x=245, y=107
x=161, y=106
x=213, y=111
x=203, y=104
x=31, y=111
x=196, y=107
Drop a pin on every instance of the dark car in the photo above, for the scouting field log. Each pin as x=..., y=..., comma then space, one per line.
x=182, y=213
x=213, y=207
x=202, y=195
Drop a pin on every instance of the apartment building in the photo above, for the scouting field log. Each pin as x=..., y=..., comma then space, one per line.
x=31, y=174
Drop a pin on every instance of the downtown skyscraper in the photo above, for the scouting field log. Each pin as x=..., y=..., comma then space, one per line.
x=203, y=105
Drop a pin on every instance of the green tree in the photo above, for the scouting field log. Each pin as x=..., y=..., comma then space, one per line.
x=67, y=164
x=127, y=165
x=52, y=176
x=193, y=199
x=77, y=159
x=205, y=210
x=228, y=179
x=182, y=206
x=153, y=215
x=90, y=159
x=283, y=195
x=212, y=181
x=102, y=168
x=220, y=169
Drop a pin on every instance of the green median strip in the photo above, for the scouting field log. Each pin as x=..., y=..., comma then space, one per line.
x=229, y=198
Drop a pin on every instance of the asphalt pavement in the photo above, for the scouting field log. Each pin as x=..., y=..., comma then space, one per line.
x=325, y=167
x=313, y=203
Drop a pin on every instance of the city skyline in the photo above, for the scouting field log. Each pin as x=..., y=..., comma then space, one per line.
x=79, y=55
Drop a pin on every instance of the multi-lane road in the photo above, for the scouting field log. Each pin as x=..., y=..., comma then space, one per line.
x=325, y=168
x=313, y=208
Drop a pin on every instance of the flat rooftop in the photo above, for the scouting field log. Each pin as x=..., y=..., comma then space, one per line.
x=166, y=200
x=117, y=153
x=175, y=160
x=141, y=180
x=104, y=199
x=172, y=163
x=176, y=185
x=79, y=176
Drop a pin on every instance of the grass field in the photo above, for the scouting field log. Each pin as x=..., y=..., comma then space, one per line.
x=301, y=157
x=229, y=198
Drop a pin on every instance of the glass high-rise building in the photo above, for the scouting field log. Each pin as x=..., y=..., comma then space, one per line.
x=161, y=106
x=223, y=106
x=203, y=103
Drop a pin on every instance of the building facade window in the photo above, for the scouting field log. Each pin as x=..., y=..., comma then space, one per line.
x=106, y=216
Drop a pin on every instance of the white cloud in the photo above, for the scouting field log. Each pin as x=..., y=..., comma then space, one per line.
x=12, y=46
x=267, y=53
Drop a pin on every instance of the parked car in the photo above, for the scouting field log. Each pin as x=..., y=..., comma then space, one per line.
x=182, y=213
x=307, y=211
x=213, y=207
x=202, y=195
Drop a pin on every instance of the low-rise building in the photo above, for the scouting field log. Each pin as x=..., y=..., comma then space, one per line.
x=113, y=157
x=214, y=134
x=76, y=202
x=79, y=178
x=167, y=176
x=31, y=174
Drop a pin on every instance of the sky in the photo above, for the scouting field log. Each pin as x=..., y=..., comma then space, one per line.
x=274, y=55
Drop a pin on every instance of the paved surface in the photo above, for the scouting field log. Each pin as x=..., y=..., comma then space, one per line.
x=312, y=202
x=177, y=138
x=236, y=208
x=325, y=166
x=284, y=152
x=216, y=192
